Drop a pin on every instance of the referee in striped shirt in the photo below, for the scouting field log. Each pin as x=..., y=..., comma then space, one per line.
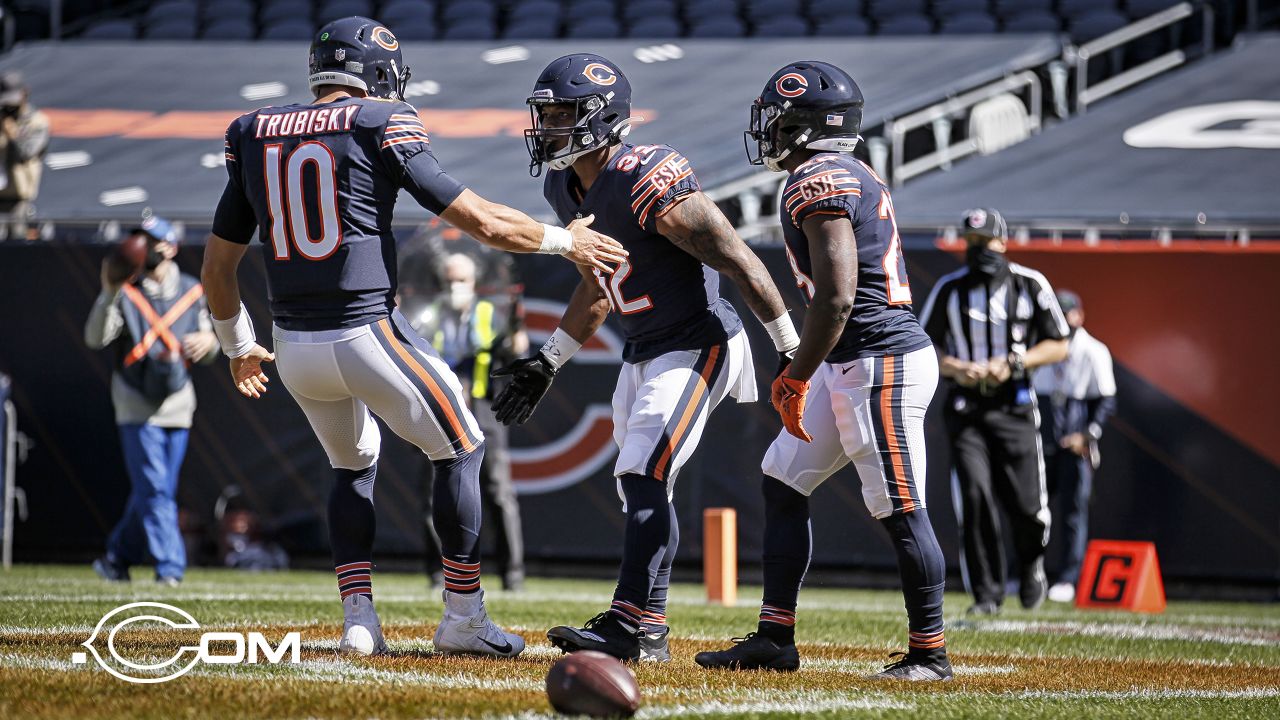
x=992, y=322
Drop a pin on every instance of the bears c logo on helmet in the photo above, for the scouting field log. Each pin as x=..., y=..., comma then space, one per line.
x=383, y=37
x=791, y=85
x=600, y=74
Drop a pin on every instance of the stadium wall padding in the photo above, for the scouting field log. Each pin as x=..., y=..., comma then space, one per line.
x=1200, y=480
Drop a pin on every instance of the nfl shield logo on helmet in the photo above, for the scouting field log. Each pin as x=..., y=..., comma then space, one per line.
x=340, y=54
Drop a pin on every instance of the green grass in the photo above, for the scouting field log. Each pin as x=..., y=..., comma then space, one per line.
x=1218, y=660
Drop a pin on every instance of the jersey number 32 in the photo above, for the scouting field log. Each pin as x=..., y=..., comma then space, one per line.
x=287, y=197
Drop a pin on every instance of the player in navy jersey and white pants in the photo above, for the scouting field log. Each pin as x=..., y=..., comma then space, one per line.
x=685, y=351
x=861, y=380
x=319, y=182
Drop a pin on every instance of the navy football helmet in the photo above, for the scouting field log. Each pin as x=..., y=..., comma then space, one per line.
x=601, y=98
x=361, y=53
x=807, y=104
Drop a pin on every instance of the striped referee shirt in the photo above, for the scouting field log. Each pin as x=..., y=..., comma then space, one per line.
x=975, y=319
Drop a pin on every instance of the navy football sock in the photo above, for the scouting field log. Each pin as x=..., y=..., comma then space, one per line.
x=456, y=498
x=352, y=523
x=645, y=544
x=923, y=571
x=655, y=612
x=788, y=545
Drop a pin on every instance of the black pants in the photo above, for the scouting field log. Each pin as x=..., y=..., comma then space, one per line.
x=997, y=456
x=501, y=510
x=1070, y=485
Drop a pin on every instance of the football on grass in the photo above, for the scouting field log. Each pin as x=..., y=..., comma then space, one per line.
x=592, y=683
x=128, y=258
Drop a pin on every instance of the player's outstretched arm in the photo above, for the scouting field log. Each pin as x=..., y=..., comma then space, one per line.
x=698, y=227
x=509, y=229
x=230, y=320
x=532, y=376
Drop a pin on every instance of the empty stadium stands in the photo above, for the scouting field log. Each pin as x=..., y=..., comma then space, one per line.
x=241, y=20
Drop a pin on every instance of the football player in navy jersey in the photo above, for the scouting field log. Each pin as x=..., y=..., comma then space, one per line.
x=861, y=380
x=319, y=181
x=685, y=348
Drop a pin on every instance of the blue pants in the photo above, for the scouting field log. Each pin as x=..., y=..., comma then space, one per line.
x=149, y=528
x=1070, y=481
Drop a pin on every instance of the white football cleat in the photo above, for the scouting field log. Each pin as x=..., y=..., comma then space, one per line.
x=1062, y=593
x=467, y=629
x=361, y=629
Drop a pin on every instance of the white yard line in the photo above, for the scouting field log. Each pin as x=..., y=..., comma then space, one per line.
x=1128, y=631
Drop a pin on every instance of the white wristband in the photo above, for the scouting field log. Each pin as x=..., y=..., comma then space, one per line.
x=555, y=240
x=235, y=335
x=783, y=333
x=559, y=348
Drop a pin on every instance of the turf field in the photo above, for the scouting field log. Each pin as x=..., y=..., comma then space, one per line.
x=1197, y=660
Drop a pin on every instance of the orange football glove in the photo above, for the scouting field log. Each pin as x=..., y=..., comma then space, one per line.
x=788, y=399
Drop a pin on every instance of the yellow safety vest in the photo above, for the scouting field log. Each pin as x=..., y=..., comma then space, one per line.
x=481, y=328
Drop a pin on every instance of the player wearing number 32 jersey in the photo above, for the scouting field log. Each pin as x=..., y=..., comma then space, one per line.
x=861, y=380
x=318, y=182
x=685, y=348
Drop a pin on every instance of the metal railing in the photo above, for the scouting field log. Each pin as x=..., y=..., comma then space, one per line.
x=1080, y=56
x=942, y=113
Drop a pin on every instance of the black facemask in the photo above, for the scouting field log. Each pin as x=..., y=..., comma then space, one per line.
x=982, y=260
x=154, y=258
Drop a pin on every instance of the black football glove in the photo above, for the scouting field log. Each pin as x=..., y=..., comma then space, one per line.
x=530, y=378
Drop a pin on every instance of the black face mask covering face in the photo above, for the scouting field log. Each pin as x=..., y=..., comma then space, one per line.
x=154, y=258
x=982, y=260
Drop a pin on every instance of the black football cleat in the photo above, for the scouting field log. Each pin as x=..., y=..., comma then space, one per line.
x=653, y=646
x=917, y=667
x=753, y=652
x=110, y=571
x=602, y=633
x=1034, y=586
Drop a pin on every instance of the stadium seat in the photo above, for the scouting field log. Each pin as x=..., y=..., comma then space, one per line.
x=884, y=9
x=404, y=16
x=1076, y=8
x=227, y=9
x=229, y=29
x=634, y=12
x=905, y=25
x=718, y=27
x=758, y=10
x=279, y=11
x=1005, y=8
x=469, y=10
x=172, y=29
x=474, y=29
x=842, y=26
x=111, y=30
x=594, y=27
x=544, y=27
x=533, y=9
x=783, y=26
x=697, y=10
x=288, y=30
x=821, y=9
x=170, y=10
x=974, y=23
x=943, y=9
x=1033, y=21
x=1094, y=25
x=1142, y=8
x=655, y=27
x=335, y=9
x=420, y=30
x=585, y=10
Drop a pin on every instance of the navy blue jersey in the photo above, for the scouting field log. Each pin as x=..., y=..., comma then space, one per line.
x=667, y=298
x=881, y=322
x=320, y=181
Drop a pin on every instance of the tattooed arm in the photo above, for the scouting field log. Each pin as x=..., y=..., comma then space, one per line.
x=833, y=249
x=698, y=227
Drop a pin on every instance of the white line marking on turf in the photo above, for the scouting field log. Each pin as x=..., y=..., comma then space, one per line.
x=1147, y=694
x=1128, y=631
